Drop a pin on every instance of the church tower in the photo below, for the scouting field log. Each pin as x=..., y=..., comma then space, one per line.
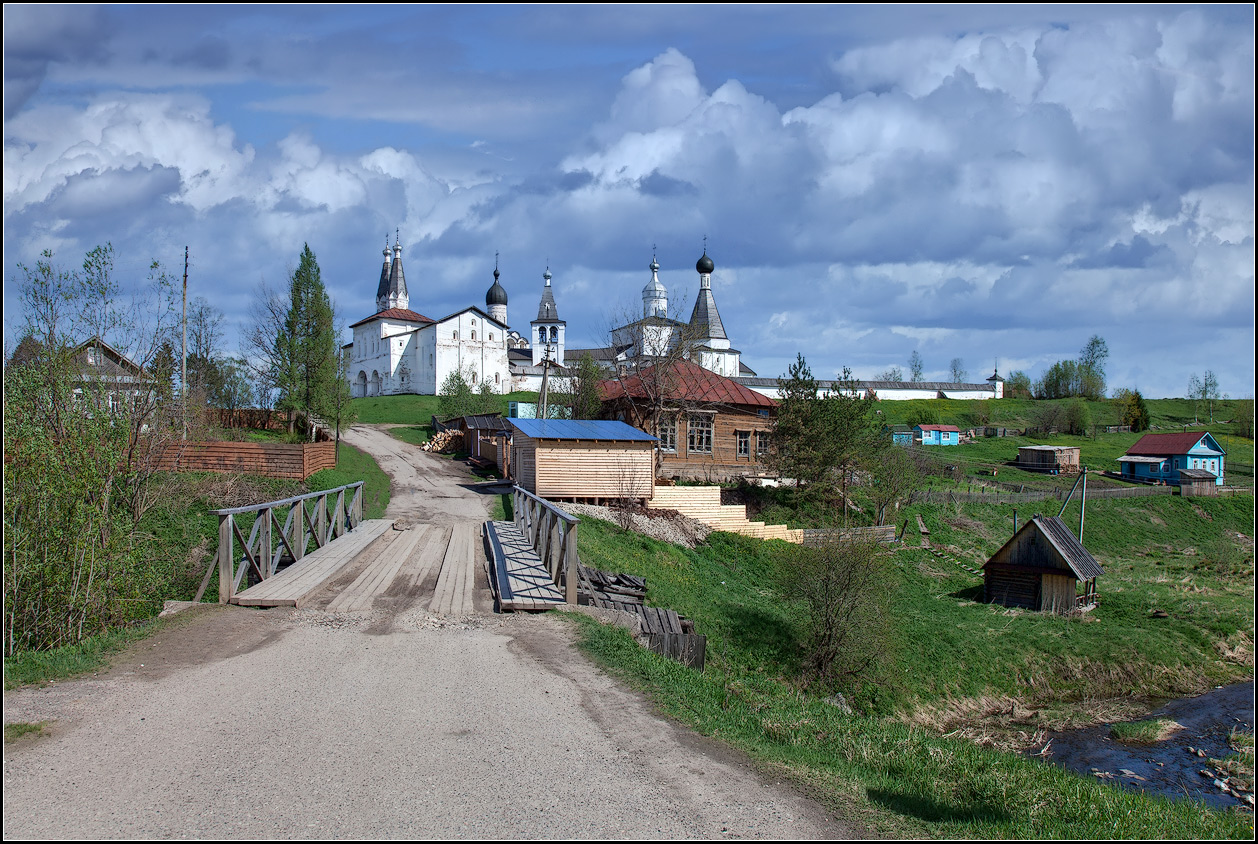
x=391, y=292
x=496, y=298
x=654, y=295
x=704, y=319
x=548, y=329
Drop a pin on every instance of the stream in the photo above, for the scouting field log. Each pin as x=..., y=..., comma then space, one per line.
x=1173, y=767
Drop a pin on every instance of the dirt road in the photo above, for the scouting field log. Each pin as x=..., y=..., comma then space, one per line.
x=239, y=723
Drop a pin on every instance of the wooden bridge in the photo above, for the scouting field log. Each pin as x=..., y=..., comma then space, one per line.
x=295, y=547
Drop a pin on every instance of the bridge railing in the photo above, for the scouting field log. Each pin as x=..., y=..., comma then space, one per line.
x=318, y=516
x=553, y=535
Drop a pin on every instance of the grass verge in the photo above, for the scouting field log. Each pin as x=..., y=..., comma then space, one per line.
x=38, y=667
x=903, y=775
x=355, y=465
x=1150, y=731
x=20, y=729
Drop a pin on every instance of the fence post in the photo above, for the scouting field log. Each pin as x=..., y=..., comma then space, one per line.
x=264, y=543
x=299, y=531
x=224, y=558
x=570, y=562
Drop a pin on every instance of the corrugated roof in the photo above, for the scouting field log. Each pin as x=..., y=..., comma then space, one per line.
x=579, y=429
x=403, y=314
x=1082, y=563
x=685, y=381
x=1198, y=474
x=1155, y=444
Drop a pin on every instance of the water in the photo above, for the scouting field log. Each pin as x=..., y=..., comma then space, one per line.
x=1167, y=768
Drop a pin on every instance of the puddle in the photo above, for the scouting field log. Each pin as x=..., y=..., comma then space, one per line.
x=1167, y=768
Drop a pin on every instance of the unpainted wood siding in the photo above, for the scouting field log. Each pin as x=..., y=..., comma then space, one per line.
x=724, y=460
x=584, y=468
x=272, y=460
x=1011, y=588
x=1057, y=593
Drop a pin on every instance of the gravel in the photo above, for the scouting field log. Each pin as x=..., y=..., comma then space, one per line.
x=664, y=525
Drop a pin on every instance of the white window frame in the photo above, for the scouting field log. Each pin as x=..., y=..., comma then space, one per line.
x=667, y=433
x=699, y=436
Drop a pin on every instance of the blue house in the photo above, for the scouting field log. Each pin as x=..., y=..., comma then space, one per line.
x=901, y=435
x=937, y=434
x=1161, y=458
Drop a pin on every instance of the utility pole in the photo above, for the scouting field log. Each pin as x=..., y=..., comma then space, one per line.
x=183, y=366
x=541, y=399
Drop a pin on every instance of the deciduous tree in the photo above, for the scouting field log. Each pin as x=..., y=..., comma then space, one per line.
x=915, y=366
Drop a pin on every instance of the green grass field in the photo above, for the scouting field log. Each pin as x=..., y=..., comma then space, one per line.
x=894, y=766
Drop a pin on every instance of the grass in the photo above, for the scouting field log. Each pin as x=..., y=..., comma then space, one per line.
x=93, y=653
x=18, y=729
x=1238, y=766
x=354, y=465
x=902, y=766
x=1150, y=731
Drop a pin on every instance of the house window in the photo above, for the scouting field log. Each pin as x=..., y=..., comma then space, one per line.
x=667, y=432
x=744, y=443
x=699, y=432
x=762, y=443
x=91, y=356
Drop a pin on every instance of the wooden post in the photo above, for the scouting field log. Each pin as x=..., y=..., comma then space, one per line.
x=322, y=522
x=224, y=558
x=266, y=555
x=570, y=564
x=338, y=518
x=299, y=531
x=542, y=546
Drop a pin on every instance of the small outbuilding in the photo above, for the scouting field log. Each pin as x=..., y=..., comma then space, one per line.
x=582, y=459
x=1041, y=568
x=937, y=434
x=1054, y=459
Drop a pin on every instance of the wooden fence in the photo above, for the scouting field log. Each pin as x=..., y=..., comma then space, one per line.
x=816, y=537
x=947, y=496
x=271, y=541
x=273, y=460
x=553, y=535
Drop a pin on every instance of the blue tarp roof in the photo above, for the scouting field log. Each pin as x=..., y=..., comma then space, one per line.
x=579, y=429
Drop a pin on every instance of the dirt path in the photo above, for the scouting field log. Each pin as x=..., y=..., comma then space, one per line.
x=238, y=723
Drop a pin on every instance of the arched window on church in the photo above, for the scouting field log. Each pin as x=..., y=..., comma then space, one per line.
x=554, y=334
x=473, y=379
x=497, y=376
x=473, y=335
x=456, y=335
x=491, y=337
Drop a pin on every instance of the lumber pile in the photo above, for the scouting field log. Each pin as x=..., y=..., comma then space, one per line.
x=663, y=630
x=444, y=442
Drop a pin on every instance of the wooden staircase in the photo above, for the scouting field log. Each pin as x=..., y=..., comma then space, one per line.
x=703, y=504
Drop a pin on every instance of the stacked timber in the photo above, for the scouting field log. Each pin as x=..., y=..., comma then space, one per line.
x=445, y=442
x=663, y=630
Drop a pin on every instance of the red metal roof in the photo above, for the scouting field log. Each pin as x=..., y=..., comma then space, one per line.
x=402, y=314
x=940, y=428
x=685, y=381
x=1156, y=445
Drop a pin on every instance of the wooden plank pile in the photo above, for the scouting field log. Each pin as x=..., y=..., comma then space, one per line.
x=445, y=442
x=663, y=630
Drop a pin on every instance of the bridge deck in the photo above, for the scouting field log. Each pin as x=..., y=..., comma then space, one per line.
x=518, y=576
x=292, y=586
x=408, y=558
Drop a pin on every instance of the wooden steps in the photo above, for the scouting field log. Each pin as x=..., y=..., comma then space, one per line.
x=295, y=584
x=519, y=579
x=703, y=504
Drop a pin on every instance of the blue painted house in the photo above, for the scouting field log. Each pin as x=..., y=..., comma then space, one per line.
x=937, y=434
x=901, y=435
x=1160, y=458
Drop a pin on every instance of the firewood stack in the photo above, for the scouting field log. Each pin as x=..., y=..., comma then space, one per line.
x=444, y=442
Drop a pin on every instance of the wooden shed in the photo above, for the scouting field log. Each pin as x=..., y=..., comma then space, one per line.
x=1198, y=482
x=1040, y=569
x=582, y=459
x=1057, y=459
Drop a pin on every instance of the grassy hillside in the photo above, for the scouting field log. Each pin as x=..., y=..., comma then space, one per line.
x=946, y=657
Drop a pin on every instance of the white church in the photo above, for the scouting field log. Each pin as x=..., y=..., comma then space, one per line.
x=398, y=351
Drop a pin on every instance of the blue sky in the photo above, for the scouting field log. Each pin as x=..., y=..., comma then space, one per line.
x=990, y=183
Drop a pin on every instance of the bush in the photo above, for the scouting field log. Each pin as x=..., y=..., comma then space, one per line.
x=842, y=587
x=1078, y=418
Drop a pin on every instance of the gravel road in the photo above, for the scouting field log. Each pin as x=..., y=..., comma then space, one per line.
x=283, y=723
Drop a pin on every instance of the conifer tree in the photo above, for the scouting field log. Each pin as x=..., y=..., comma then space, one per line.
x=306, y=366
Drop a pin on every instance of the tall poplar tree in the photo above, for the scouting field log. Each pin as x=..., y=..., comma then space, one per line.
x=306, y=366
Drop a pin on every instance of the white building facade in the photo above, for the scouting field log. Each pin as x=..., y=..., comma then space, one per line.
x=398, y=351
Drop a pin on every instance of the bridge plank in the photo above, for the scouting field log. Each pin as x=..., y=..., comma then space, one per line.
x=521, y=579
x=378, y=576
x=292, y=586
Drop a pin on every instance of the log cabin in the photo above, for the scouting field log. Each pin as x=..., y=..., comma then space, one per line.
x=1040, y=568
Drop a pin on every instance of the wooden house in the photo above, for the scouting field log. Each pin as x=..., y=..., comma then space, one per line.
x=710, y=428
x=481, y=435
x=1040, y=568
x=1053, y=459
x=937, y=434
x=582, y=459
x=108, y=379
x=1162, y=458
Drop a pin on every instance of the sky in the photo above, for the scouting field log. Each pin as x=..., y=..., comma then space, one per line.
x=991, y=183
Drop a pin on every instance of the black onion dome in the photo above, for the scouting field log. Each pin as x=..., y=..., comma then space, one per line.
x=704, y=264
x=497, y=294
